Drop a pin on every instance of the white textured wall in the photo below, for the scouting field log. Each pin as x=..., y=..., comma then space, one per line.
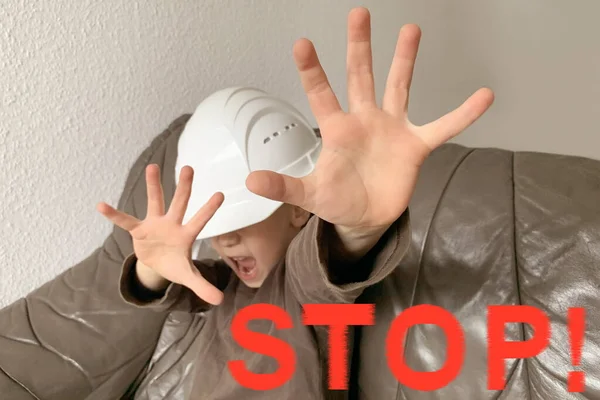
x=86, y=85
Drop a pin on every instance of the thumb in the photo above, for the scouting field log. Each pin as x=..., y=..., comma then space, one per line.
x=280, y=187
x=204, y=289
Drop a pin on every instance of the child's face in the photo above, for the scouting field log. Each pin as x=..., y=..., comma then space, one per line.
x=253, y=251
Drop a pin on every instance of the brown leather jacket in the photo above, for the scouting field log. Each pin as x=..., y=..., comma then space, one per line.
x=488, y=227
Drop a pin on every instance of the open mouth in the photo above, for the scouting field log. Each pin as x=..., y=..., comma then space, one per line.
x=245, y=267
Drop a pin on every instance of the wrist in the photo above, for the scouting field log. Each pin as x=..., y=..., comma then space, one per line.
x=149, y=279
x=354, y=243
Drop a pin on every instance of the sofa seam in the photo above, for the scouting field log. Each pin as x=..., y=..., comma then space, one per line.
x=19, y=383
x=515, y=254
x=52, y=350
x=424, y=246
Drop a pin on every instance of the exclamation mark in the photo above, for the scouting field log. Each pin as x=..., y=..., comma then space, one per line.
x=576, y=323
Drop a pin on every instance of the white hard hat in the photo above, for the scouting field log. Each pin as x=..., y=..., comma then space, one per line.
x=236, y=131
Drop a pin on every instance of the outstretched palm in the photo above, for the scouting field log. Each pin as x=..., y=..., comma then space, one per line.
x=369, y=163
x=160, y=241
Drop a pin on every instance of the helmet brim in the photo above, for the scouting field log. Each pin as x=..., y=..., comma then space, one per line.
x=244, y=208
x=238, y=215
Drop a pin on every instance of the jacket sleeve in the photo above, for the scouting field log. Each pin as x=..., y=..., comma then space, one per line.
x=176, y=297
x=314, y=276
x=75, y=335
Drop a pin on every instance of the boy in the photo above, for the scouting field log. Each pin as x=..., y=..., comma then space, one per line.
x=358, y=192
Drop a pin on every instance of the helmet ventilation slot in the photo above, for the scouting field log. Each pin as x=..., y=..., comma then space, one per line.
x=275, y=134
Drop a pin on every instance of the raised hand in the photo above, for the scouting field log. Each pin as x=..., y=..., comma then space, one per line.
x=161, y=243
x=369, y=163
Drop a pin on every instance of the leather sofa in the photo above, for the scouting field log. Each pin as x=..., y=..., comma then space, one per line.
x=493, y=227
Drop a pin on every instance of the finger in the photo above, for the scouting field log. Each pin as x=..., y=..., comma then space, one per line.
x=443, y=129
x=272, y=185
x=395, y=98
x=359, y=63
x=204, y=214
x=118, y=218
x=321, y=98
x=156, y=201
x=182, y=194
x=204, y=289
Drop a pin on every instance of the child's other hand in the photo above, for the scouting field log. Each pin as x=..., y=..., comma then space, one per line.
x=161, y=243
x=370, y=160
